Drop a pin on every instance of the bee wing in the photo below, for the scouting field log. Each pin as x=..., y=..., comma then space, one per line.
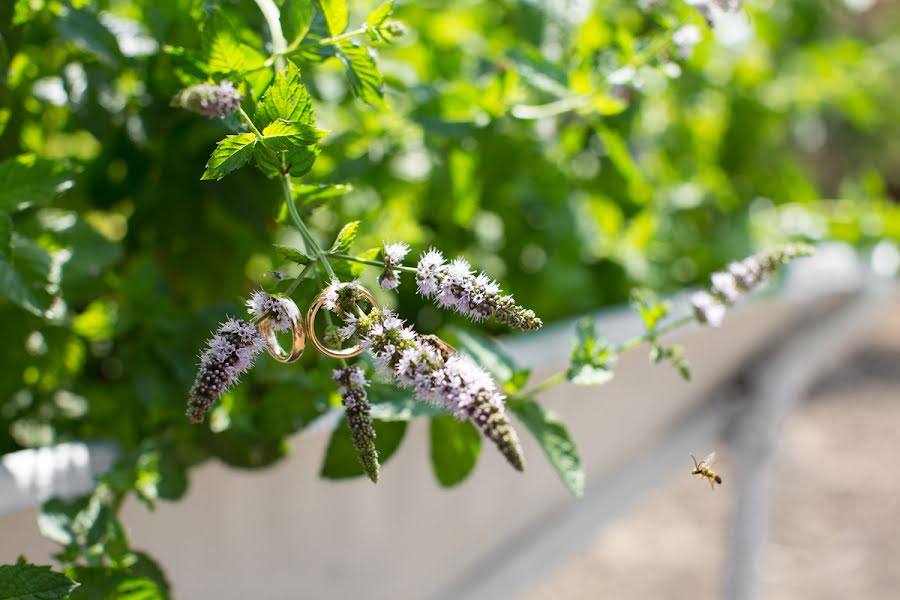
x=710, y=459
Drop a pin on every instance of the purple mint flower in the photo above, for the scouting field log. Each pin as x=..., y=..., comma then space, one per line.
x=708, y=309
x=277, y=308
x=229, y=353
x=748, y=274
x=393, y=256
x=725, y=287
x=352, y=387
x=341, y=296
x=451, y=380
x=213, y=100
x=457, y=287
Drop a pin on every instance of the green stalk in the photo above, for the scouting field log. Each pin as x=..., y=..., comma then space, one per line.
x=365, y=261
x=629, y=344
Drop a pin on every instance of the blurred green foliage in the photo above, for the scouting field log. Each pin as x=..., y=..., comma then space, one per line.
x=570, y=149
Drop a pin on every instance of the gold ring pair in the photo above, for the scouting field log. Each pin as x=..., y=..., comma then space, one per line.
x=300, y=330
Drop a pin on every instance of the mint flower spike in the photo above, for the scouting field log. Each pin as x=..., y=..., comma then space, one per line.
x=455, y=286
x=352, y=387
x=742, y=276
x=452, y=380
x=213, y=100
x=229, y=353
x=280, y=312
x=393, y=255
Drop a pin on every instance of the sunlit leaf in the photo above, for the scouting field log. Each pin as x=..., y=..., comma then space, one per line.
x=335, y=12
x=231, y=153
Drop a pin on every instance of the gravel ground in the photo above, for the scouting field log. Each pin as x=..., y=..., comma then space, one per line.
x=836, y=515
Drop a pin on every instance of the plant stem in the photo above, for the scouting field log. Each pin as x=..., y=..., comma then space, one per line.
x=299, y=278
x=295, y=47
x=365, y=261
x=301, y=227
x=279, y=45
x=634, y=342
x=273, y=20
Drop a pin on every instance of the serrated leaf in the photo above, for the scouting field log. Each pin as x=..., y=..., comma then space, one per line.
x=341, y=457
x=492, y=357
x=224, y=50
x=455, y=446
x=231, y=153
x=592, y=357
x=293, y=254
x=287, y=98
x=335, y=13
x=289, y=135
x=296, y=17
x=345, y=237
x=27, y=181
x=366, y=81
x=24, y=581
x=378, y=16
x=553, y=437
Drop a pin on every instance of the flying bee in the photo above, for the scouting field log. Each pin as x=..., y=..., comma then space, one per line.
x=704, y=469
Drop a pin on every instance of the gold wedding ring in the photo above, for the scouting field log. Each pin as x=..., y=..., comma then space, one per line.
x=311, y=325
x=298, y=330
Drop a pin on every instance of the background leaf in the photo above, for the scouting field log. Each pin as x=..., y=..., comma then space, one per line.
x=27, y=180
x=455, y=446
x=341, y=458
x=554, y=439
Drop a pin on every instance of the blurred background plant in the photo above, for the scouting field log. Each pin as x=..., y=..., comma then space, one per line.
x=574, y=150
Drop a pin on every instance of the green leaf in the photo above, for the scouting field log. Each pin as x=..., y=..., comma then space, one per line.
x=85, y=30
x=101, y=583
x=455, y=446
x=365, y=79
x=341, y=461
x=335, y=13
x=378, y=16
x=554, y=438
x=6, y=229
x=224, y=49
x=651, y=309
x=675, y=355
x=492, y=357
x=231, y=153
x=289, y=135
x=345, y=237
x=293, y=254
x=310, y=196
x=390, y=403
x=27, y=181
x=24, y=273
x=24, y=581
x=287, y=98
x=296, y=17
x=617, y=151
x=592, y=357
